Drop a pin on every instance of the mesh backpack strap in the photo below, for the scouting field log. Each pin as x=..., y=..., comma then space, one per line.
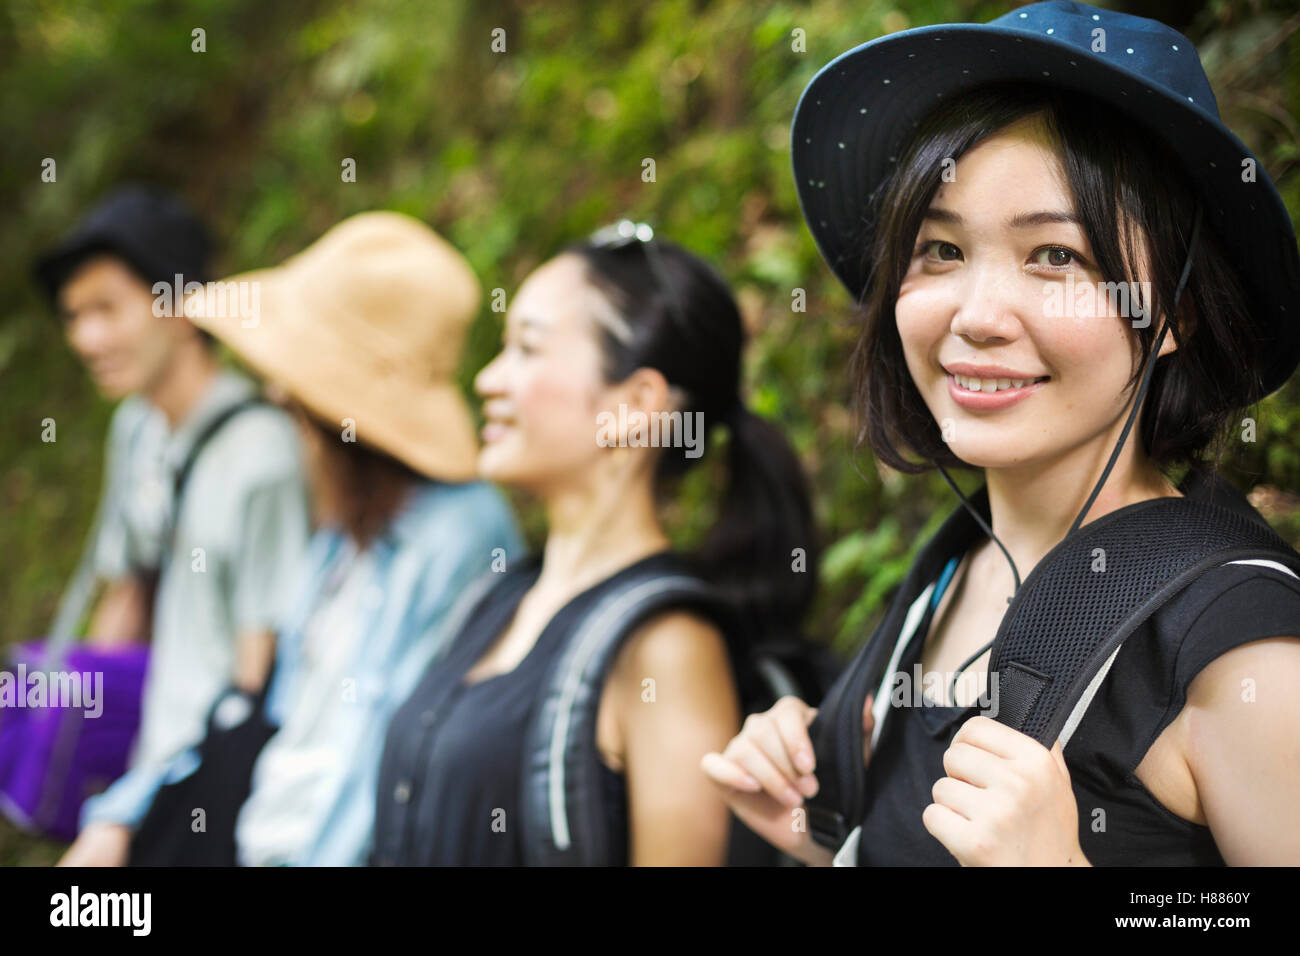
x=837, y=730
x=1082, y=601
x=563, y=804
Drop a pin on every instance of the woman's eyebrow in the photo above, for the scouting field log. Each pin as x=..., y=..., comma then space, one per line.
x=1021, y=220
x=528, y=322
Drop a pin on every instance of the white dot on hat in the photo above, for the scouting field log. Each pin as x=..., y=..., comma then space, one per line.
x=1045, y=73
x=1023, y=15
x=863, y=110
x=1072, y=63
x=841, y=145
x=1095, y=17
x=1175, y=46
x=807, y=139
x=1129, y=50
x=965, y=71
x=1190, y=100
x=1051, y=31
x=886, y=82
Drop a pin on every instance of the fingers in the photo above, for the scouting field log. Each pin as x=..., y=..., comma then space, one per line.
x=769, y=750
x=728, y=773
x=987, y=734
x=791, y=725
x=947, y=826
x=959, y=796
x=971, y=764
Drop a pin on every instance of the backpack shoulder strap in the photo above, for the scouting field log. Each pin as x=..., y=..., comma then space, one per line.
x=205, y=435
x=562, y=800
x=1060, y=634
x=1049, y=656
x=836, y=732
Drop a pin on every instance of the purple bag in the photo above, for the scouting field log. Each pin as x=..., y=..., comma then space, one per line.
x=66, y=748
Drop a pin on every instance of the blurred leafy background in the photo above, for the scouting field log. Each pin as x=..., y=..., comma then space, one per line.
x=510, y=155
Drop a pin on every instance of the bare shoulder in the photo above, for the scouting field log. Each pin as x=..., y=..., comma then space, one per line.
x=673, y=640
x=1242, y=712
x=1237, y=677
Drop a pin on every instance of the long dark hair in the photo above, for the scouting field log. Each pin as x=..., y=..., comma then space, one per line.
x=357, y=485
x=680, y=318
x=1111, y=169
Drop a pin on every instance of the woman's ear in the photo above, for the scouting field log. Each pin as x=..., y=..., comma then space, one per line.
x=646, y=390
x=1186, y=324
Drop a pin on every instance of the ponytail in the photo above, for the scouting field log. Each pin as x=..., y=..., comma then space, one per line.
x=761, y=553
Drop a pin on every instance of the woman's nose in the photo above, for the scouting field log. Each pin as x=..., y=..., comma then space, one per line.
x=990, y=305
x=486, y=382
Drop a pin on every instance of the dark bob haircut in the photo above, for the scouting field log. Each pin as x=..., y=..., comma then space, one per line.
x=1130, y=197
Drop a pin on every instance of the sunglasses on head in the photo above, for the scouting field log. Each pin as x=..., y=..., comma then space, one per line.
x=625, y=233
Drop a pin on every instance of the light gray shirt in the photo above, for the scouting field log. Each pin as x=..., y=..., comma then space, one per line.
x=241, y=534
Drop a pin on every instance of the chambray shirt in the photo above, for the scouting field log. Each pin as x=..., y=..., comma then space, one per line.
x=241, y=535
x=443, y=539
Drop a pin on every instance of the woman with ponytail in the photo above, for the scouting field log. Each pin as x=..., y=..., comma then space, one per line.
x=613, y=335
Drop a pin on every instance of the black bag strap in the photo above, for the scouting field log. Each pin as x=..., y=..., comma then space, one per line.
x=182, y=476
x=206, y=434
x=563, y=804
x=836, y=735
x=1047, y=653
x=1061, y=632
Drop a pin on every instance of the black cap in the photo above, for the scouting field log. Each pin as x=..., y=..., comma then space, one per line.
x=152, y=230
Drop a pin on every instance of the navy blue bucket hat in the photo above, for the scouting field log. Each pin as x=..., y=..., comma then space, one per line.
x=858, y=113
x=152, y=230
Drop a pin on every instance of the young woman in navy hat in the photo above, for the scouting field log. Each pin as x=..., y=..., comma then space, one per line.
x=1074, y=278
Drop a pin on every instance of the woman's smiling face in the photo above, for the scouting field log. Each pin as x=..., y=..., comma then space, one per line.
x=998, y=290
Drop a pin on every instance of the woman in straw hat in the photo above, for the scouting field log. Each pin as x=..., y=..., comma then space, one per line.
x=619, y=330
x=360, y=333
x=984, y=191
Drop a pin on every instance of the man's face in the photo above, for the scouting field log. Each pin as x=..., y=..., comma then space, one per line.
x=108, y=317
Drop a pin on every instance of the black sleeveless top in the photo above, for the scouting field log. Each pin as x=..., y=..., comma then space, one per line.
x=449, y=779
x=1120, y=822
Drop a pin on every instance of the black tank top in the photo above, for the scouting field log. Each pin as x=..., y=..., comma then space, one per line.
x=1120, y=822
x=449, y=779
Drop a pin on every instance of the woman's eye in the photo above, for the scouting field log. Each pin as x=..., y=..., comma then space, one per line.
x=1057, y=257
x=940, y=250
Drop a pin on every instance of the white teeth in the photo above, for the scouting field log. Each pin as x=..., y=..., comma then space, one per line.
x=991, y=384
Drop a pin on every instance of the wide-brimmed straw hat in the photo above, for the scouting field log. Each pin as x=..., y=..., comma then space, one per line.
x=365, y=324
x=857, y=114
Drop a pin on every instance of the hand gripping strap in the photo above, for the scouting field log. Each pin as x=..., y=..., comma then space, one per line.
x=1059, y=636
x=564, y=815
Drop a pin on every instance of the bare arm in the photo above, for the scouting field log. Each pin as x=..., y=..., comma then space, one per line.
x=1244, y=751
x=122, y=614
x=254, y=654
x=673, y=700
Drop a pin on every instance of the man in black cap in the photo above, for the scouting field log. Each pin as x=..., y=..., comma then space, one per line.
x=203, y=518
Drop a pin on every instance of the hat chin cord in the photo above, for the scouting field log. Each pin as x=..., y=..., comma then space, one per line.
x=1114, y=455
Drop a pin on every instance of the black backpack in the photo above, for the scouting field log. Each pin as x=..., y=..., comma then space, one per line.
x=565, y=820
x=1061, y=632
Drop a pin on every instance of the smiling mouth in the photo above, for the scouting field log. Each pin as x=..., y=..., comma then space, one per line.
x=969, y=384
